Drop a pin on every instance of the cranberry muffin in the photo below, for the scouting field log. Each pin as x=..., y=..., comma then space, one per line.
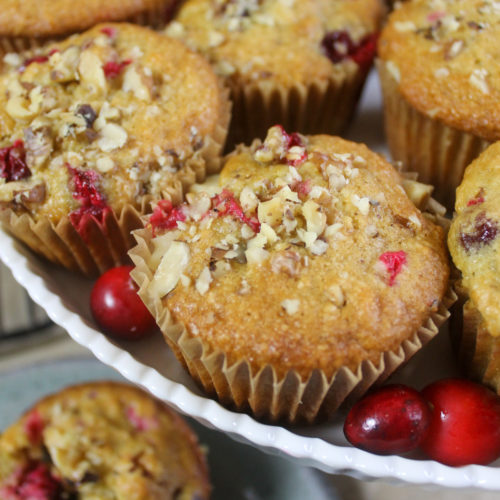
x=101, y=440
x=299, y=63
x=475, y=248
x=93, y=128
x=309, y=277
x=26, y=24
x=441, y=86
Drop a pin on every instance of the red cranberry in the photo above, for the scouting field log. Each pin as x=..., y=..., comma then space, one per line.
x=484, y=232
x=112, y=69
x=475, y=201
x=166, y=216
x=109, y=31
x=393, y=419
x=225, y=204
x=394, y=262
x=40, y=59
x=33, y=426
x=338, y=45
x=13, y=162
x=292, y=139
x=40, y=484
x=93, y=204
x=465, y=423
x=365, y=51
x=117, y=308
x=141, y=423
x=302, y=188
x=33, y=482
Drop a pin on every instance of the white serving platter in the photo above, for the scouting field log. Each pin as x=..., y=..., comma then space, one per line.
x=151, y=364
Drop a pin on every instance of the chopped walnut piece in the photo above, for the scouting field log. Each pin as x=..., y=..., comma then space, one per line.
x=287, y=262
x=315, y=219
x=203, y=282
x=418, y=193
x=453, y=48
x=112, y=137
x=247, y=232
x=221, y=268
x=478, y=79
x=245, y=288
x=30, y=197
x=308, y=237
x=248, y=199
x=17, y=107
x=291, y=306
x=255, y=253
x=319, y=247
x=286, y=194
x=65, y=65
x=91, y=72
x=362, y=204
x=199, y=205
x=172, y=265
x=336, y=295
x=104, y=164
x=268, y=232
x=271, y=211
x=405, y=26
x=38, y=145
x=134, y=82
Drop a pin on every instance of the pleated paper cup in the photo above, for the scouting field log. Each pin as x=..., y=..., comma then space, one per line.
x=291, y=398
x=324, y=106
x=437, y=152
x=478, y=351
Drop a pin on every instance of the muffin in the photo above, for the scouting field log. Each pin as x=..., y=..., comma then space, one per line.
x=101, y=440
x=475, y=249
x=441, y=87
x=94, y=128
x=307, y=69
x=307, y=278
x=27, y=24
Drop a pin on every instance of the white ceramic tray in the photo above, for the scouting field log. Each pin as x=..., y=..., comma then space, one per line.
x=150, y=364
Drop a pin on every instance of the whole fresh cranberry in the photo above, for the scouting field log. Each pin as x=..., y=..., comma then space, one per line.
x=393, y=419
x=117, y=308
x=465, y=423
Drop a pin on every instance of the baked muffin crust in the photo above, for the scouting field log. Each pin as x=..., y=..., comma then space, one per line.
x=442, y=53
x=291, y=36
x=101, y=440
x=36, y=18
x=311, y=257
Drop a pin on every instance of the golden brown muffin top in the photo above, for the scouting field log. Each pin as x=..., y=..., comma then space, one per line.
x=120, y=108
x=474, y=235
x=282, y=41
x=311, y=257
x=443, y=54
x=35, y=18
x=101, y=440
